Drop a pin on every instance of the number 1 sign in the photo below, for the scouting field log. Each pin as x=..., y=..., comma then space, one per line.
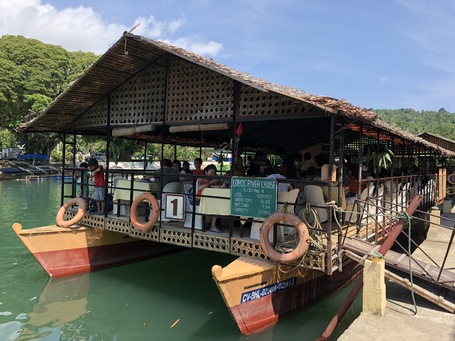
x=174, y=207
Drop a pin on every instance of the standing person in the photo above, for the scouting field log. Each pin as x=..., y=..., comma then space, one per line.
x=100, y=184
x=307, y=163
x=197, y=166
x=85, y=176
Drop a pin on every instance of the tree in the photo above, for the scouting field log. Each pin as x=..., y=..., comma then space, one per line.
x=31, y=75
x=439, y=122
x=7, y=139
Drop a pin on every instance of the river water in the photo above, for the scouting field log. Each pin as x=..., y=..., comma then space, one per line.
x=167, y=298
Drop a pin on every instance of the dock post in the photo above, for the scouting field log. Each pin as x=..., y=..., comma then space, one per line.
x=374, y=288
x=435, y=216
x=446, y=206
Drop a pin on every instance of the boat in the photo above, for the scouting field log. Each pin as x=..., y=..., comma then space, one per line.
x=63, y=252
x=258, y=293
x=33, y=178
x=13, y=170
x=164, y=95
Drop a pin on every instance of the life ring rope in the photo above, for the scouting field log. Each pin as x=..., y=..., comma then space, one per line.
x=451, y=179
x=303, y=234
x=60, y=218
x=155, y=211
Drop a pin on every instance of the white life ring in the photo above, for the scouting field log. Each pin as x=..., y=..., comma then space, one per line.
x=155, y=211
x=300, y=249
x=80, y=212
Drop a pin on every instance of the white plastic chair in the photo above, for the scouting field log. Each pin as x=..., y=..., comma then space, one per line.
x=353, y=206
x=171, y=187
x=187, y=188
x=315, y=197
x=374, y=204
x=289, y=198
x=282, y=198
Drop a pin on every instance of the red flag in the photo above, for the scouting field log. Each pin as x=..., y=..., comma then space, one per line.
x=239, y=130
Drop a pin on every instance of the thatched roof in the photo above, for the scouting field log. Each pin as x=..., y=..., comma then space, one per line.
x=132, y=54
x=441, y=141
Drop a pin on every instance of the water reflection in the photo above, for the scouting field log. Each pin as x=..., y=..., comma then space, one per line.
x=62, y=302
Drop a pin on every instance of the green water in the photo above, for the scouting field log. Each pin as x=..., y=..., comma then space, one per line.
x=139, y=301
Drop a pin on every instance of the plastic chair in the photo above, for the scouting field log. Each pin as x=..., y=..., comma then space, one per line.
x=188, y=190
x=374, y=205
x=315, y=197
x=289, y=198
x=353, y=206
x=171, y=187
x=282, y=198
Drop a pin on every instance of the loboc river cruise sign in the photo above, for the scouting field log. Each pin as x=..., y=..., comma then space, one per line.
x=253, y=197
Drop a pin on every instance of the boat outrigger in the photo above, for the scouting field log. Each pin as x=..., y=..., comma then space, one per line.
x=290, y=244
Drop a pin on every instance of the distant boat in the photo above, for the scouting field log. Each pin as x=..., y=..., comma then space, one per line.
x=13, y=170
x=33, y=178
x=59, y=177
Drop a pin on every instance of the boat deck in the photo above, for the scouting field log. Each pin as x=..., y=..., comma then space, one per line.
x=235, y=238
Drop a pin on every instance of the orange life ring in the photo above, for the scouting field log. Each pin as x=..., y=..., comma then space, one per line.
x=451, y=179
x=155, y=211
x=302, y=246
x=80, y=212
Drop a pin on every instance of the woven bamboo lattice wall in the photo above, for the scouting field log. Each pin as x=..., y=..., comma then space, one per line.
x=196, y=93
x=95, y=117
x=254, y=102
x=139, y=101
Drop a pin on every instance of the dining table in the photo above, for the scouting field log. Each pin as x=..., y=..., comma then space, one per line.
x=123, y=192
x=215, y=201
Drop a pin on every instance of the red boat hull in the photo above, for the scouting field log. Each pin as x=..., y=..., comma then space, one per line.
x=258, y=297
x=65, y=252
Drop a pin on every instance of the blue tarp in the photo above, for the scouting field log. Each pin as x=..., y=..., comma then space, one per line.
x=33, y=157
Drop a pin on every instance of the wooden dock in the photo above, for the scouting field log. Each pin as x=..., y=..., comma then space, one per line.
x=433, y=313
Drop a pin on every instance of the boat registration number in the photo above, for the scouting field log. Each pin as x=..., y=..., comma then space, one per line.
x=268, y=290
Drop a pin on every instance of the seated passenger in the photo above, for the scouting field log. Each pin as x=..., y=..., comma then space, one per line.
x=203, y=183
x=168, y=173
x=270, y=173
x=197, y=166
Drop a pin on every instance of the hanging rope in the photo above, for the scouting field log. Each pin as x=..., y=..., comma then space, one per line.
x=315, y=230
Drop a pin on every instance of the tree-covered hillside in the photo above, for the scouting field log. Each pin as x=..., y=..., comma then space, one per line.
x=32, y=74
x=439, y=122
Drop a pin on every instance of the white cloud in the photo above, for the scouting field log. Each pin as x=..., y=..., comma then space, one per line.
x=175, y=25
x=82, y=29
x=196, y=45
x=73, y=28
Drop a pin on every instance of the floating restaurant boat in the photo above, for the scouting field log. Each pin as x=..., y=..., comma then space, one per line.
x=290, y=244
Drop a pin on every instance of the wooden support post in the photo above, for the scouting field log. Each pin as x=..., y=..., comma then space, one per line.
x=435, y=217
x=447, y=206
x=374, y=289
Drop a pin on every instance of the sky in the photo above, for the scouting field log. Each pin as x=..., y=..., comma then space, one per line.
x=388, y=54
